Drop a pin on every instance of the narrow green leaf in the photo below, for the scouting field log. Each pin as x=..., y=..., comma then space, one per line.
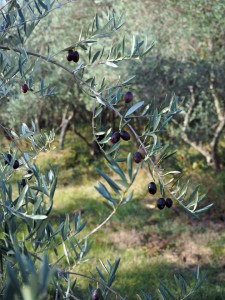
x=134, y=108
x=113, y=148
x=101, y=275
x=130, y=166
x=156, y=122
x=162, y=293
x=13, y=278
x=66, y=253
x=203, y=209
x=199, y=283
x=128, y=81
x=116, y=168
x=98, y=111
x=133, y=46
x=96, y=55
x=168, y=291
x=100, y=100
x=147, y=50
x=128, y=198
x=103, y=265
x=44, y=272
x=101, y=188
x=22, y=267
x=111, y=64
x=34, y=217
x=113, y=185
x=171, y=172
x=135, y=173
x=165, y=122
x=21, y=197
x=97, y=21
x=66, y=227
x=123, y=183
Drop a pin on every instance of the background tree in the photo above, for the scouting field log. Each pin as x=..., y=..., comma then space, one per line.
x=188, y=61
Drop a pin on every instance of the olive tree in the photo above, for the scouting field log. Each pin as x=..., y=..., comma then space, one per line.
x=188, y=61
x=31, y=266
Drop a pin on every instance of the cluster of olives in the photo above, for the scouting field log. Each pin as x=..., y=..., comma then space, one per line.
x=117, y=135
x=161, y=202
x=128, y=97
x=16, y=165
x=72, y=56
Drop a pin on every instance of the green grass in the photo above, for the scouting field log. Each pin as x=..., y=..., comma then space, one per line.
x=151, y=244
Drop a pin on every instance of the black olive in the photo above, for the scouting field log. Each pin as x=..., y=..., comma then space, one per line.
x=161, y=203
x=115, y=137
x=152, y=188
x=169, y=202
x=137, y=157
x=124, y=135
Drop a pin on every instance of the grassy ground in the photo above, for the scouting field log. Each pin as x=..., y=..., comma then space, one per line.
x=152, y=244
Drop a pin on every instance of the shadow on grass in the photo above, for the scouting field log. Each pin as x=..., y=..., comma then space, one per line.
x=148, y=276
x=132, y=215
x=138, y=270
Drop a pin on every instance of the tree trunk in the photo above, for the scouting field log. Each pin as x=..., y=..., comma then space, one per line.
x=63, y=134
x=92, y=147
x=215, y=160
x=64, y=126
x=37, y=123
x=210, y=152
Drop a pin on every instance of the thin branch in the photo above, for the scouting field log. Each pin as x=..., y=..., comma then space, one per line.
x=102, y=224
x=98, y=281
x=45, y=58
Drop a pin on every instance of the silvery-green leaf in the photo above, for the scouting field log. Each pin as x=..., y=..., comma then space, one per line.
x=134, y=108
x=111, y=64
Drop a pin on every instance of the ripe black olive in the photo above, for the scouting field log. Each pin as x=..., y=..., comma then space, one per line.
x=128, y=97
x=161, y=203
x=137, y=157
x=124, y=135
x=169, y=202
x=16, y=164
x=115, y=137
x=23, y=182
x=152, y=188
x=9, y=157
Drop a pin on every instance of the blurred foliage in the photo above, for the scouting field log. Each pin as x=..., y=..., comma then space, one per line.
x=189, y=49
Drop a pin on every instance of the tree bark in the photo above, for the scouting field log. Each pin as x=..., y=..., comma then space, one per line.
x=93, y=147
x=64, y=125
x=210, y=152
x=37, y=123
